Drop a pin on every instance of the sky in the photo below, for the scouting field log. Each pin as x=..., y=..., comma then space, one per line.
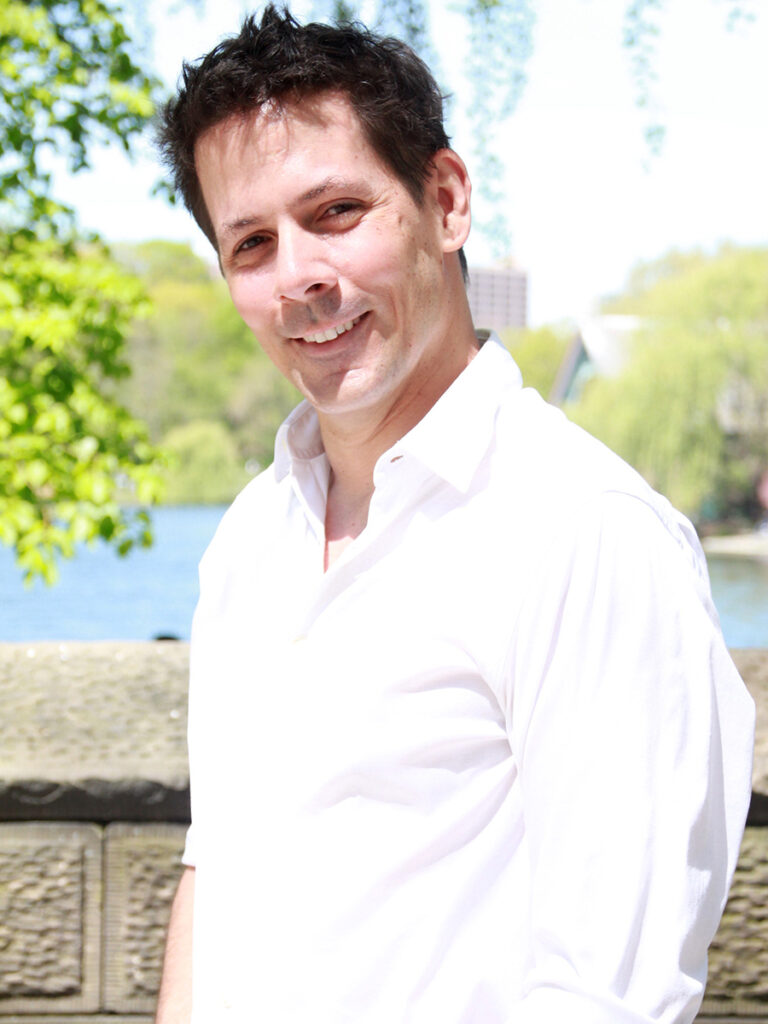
x=584, y=198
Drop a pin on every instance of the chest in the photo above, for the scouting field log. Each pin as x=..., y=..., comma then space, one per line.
x=378, y=674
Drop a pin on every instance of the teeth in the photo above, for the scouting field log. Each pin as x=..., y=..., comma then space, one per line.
x=334, y=332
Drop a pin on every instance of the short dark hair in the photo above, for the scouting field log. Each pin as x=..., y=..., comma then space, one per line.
x=390, y=88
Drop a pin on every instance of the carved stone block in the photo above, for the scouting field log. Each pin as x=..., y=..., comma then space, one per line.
x=142, y=868
x=738, y=962
x=50, y=910
x=91, y=1019
x=752, y=664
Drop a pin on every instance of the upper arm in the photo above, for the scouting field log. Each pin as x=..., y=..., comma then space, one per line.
x=633, y=737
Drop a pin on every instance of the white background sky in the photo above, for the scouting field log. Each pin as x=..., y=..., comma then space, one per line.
x=582, y=202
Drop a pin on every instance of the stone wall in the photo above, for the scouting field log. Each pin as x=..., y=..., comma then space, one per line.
x=94, y=799
x=84, y=910
x=94, y=796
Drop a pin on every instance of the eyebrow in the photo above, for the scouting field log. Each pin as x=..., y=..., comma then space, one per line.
x=333, y=183
x=233, y=227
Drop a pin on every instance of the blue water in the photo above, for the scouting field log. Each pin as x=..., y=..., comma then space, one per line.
x=153, y=592
x=740, y=590
x=101, y=596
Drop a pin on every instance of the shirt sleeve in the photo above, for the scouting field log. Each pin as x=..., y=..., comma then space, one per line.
x=633, y=735
x=188, y=856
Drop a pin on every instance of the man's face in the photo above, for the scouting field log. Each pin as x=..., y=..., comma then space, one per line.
x=329, y=260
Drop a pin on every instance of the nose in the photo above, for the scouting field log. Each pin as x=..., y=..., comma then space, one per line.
x=303, y=268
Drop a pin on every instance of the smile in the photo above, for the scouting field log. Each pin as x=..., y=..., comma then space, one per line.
x=332, y=332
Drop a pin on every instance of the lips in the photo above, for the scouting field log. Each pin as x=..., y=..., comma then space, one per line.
x=331, y=333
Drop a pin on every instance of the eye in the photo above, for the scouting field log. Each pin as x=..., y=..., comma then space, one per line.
x=251, y=243
x=342, y=207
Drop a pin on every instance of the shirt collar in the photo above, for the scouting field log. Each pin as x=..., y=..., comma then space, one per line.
x=298, y=439
x=450, y=440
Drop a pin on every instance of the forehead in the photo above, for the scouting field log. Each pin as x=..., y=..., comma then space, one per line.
x=322, y=127
x=252, y=166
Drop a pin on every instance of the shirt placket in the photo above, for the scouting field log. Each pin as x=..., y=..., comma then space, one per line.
x=398, y=482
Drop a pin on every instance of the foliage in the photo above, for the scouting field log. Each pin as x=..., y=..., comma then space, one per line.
x=731, y=286
x=256, y=406
x=69, y=79
x=408, y=19
x=499, y=45
x=182, y=365
x=71, y=76
x=162, y=261
x=641, y=31
x=67, y=452
x=690, y=410
x=206, y=467
x=194, y=358
x=539, y=354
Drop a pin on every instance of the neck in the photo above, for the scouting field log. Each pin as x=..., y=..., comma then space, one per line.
x=356, y=440
x=346, y=511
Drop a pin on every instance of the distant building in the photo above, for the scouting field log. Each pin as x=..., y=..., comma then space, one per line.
x=600, y=347
x=498, y=297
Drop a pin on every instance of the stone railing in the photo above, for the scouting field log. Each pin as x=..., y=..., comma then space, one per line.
x=94, y=796
x=94, y=799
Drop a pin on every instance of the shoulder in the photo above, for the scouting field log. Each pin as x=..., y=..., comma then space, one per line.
x=614, y=564
x=561, y=479
x=573, y=518
x=547, y=449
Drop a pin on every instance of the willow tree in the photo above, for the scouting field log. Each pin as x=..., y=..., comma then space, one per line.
x=690, y=408
x=500, y=42
x=499, y=45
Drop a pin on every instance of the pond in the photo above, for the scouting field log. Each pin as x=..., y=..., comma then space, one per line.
x=153, y=592
x=740, y=590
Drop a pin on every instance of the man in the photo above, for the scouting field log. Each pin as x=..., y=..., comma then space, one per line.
x=466, y=744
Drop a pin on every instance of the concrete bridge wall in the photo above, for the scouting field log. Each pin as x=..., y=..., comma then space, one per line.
x=94, y=801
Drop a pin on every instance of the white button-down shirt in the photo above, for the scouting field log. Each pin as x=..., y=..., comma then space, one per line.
x=492, y=767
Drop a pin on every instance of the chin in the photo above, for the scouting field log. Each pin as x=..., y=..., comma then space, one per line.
x=345, y=399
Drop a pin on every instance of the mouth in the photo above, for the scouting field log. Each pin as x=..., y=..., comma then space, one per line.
x=331, y=333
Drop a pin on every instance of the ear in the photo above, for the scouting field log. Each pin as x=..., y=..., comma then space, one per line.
x=452, y=189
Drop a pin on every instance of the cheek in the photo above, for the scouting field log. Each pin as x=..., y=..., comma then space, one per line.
x=389, y=266
x=249, y=299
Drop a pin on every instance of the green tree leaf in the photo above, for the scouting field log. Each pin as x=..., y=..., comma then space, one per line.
x=690, y=409
x=70, y=455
